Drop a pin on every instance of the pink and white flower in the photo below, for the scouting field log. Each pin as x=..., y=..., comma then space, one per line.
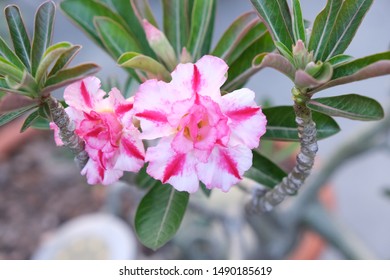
x=106, y=125
x=204, y=136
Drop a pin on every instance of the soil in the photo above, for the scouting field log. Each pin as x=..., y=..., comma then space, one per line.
x=40, y=188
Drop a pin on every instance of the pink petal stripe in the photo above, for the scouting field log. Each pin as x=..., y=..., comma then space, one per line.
x=174, y=167
x=123, y=108
x=243, y=113
x=85, y=94
x=195, y=80
x=152, y=116
x=132, y=150
x=229, y=164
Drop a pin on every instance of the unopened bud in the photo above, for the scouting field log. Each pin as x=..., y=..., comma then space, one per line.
x=160, y=45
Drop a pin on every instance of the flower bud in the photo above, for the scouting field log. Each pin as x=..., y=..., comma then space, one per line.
x=313, y=69
x=160, y=45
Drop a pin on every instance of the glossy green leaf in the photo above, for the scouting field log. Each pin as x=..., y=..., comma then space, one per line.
x=242, y=69
x=202, y=14
x=29, y=120
x=251, y=37
x=159, y=215
x=8, y=54
x=284, y=51
x=41, y=123
x=234, y=34
x=205, y=190
x=126, y=11
x=8, y=69
x=49, y=57
x=64, y=59
x=115, y=38
x=281, y=124
x=351, y=106
x=176, y=22
x=264, y=171
x=322, y=27
x=82, y=12
x=347, y=22
x=276, y=16
x=339, y=60
x=44, y=20
x=4, y=88
x=298, y=22
x=27, y=85
x=69, y=75
x=145, y=63
x=143, y=179
x=19, y=36
x=9, y=116
x=206, y=48
x=359, y=69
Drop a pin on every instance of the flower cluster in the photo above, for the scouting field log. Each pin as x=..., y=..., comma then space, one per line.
x=203, y=135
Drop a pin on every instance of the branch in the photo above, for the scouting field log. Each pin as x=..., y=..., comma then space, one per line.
x=67, y=135
x=266, y=201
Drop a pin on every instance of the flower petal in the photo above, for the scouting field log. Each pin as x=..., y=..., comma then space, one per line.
x=96, y=174
x=84, y=95
x=57, y=137
x=177, y=169
x=246, y=120
x=131, y=154
x=224, y=167
x=152, y=105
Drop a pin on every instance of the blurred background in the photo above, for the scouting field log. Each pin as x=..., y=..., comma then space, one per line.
x=41, y=189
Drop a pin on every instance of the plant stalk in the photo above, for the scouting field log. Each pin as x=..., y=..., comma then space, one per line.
x=265, y=201
x=67, y=135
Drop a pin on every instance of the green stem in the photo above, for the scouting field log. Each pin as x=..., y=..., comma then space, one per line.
x=266, y=201
x=67, y=135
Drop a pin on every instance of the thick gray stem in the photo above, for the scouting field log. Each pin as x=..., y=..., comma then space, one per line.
x=266, y=201
x=67, y=135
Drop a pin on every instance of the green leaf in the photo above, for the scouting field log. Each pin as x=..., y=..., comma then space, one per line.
x=18, y=34
x=251, y=37
x=322, y=27
x=339, y=60
x=281, y=124
x=8, y=54
x=159, y=215
x=298, y=22
x=351, y=106
x=64, y=60
x=69, y=75
x=138, y=61
x=264, y=171
x=276, y=16
x=205, y=190
x=359, y=69
x=234, y=34
x=49, y=57
x=176, y=22
x=44, y=20
x=347, y=22
x=9, y=116
x=41, y=123
x=202, y=14
x=143, y=179
x=117, y=41
x=242, y=69
x=284, y=51
x=126, y=11
x=29, y=120
x=8, y=69
x=83, y=12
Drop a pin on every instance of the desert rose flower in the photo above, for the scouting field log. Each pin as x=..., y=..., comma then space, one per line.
x=106, y=125
x=204, y=136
